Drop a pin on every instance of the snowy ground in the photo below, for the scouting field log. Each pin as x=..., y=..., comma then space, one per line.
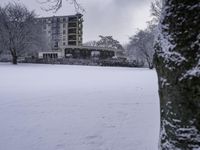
x=58, y=107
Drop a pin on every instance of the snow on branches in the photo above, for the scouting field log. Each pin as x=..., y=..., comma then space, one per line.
x=194, y=72
x=166, y=44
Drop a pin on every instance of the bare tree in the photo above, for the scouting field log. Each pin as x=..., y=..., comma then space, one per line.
x=55, y=5
x=141, y=46
x=177, y=62
x=109, y=42
x=105, y=41
x=19, y=30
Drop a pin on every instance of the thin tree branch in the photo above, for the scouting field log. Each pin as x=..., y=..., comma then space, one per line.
x=55, y=5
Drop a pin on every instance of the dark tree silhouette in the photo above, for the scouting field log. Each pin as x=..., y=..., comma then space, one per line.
x=177, y=62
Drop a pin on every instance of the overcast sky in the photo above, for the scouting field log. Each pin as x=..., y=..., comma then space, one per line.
x=119, y=18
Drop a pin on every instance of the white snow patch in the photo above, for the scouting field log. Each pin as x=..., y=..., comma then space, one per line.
x=176, y=120
x=197, y=42
x=164, y=82
x=167, y=123
x=60, y=107
x=188, y=133
x=166, y=144
x=194, y=72
x=167, y=52
x=194, y=6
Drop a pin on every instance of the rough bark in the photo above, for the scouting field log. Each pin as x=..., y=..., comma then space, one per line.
x=177, y=61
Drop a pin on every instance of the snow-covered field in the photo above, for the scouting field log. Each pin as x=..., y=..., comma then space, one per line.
x=59, y=107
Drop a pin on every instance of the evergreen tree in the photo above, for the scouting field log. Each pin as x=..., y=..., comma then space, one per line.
x=177, y=62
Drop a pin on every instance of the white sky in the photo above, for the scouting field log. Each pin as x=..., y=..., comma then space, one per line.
x=119, y=18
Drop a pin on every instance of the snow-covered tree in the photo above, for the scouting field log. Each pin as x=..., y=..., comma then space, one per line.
x=156, y=8
x=177, y=62
x=140, y=46
x=19, y=31
x=105, y=41
x=109, y=42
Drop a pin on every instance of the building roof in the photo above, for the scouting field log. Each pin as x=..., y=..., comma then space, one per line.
x=92, y=48
x=78, y=14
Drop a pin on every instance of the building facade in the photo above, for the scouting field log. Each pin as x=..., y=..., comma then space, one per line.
x=65, y=36
x=62, y=31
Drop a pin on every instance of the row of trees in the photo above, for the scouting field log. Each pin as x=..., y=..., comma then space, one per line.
x=20, y=33
x=139, y=49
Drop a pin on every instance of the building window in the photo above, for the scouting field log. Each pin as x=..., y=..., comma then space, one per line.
x=50, y=55
x=64, y=25
x=44, y=20
x=56, y=44
x=64, y=32
x=72, y=43
x=63, y=43
x=64, y=38
x=49, y=20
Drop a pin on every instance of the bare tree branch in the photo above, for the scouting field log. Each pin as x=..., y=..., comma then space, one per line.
x=55, y=5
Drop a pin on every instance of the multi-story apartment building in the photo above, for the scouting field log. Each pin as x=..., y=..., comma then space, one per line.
x=62, y=31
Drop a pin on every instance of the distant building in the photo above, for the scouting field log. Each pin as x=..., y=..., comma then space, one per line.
x=63, y=30
x=83, y=52
x=65, y=35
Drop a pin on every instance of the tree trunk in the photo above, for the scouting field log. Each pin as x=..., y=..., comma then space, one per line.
x=150, y=63
x=14, y=60
x=14, y=55
x=177, y=61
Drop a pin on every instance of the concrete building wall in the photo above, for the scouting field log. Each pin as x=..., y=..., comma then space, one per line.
x=62, y=31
